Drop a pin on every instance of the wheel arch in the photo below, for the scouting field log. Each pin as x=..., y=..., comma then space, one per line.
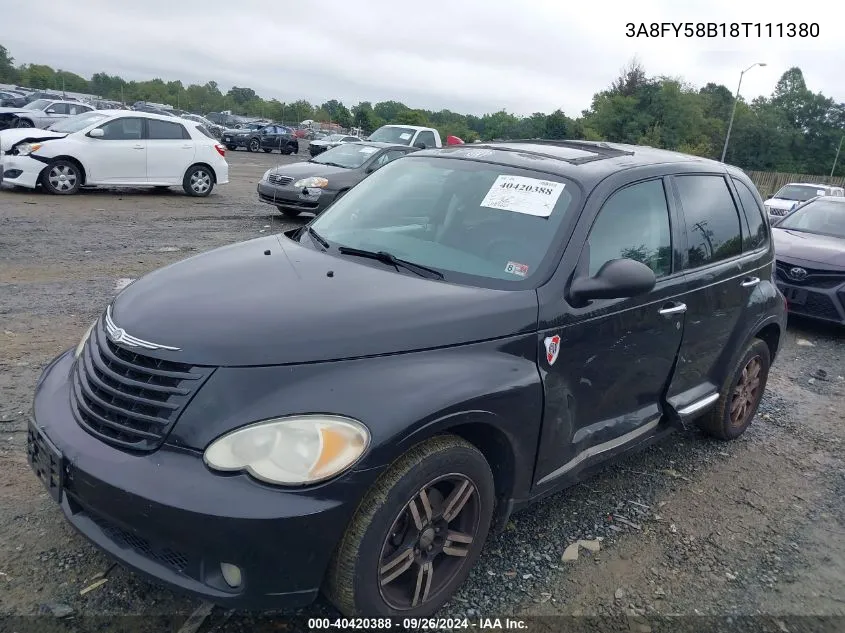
x=770, y=334
x=202, y=164
x=67, y=157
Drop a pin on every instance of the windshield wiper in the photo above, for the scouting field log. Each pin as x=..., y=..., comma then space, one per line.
x=317, y=237
x=390, y=258
x=321, y=162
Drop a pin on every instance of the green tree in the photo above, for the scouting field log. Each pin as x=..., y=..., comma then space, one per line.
x=38, y=76
x=389, y=110
x=412, y=117
x=8, y=72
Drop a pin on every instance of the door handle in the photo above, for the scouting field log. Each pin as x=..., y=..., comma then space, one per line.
x=750, y=281
x=137, y=147
x=675, y=308
x=187, y=146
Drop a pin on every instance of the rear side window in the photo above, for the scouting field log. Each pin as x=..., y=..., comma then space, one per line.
x=713, y=230
x=165, y=130
x=756, y=222
x=634, y=224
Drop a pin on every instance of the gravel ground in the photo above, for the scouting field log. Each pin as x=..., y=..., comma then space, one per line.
x=693, y=534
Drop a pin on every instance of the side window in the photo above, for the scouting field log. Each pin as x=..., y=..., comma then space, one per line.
x=165, y=130
x=756, y=222
x=58, y=108
x=713, y=230
x=77, y=108
x=633, y=223
x=128, y=129
x=389, y=156
x=427, y=138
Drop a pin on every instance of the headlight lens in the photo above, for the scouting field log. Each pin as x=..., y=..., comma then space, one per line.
x=312, y=182
x=78, y=351
x=266, y=174
x=291, y=451
x=25, y=149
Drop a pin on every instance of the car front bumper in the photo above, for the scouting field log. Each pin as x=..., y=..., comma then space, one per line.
x=288, y=197
x=817, y=299
x=236, y=141
x=314, y=150
x=168, y=517
x=22, y=171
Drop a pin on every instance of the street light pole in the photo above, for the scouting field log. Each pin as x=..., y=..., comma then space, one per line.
x=832, y=169
x=733, y=111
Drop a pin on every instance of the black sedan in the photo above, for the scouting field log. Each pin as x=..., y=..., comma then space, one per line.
x=333, y=140
x=265, y=138
x=10, y=99
x=315, y=184
x=810, y=253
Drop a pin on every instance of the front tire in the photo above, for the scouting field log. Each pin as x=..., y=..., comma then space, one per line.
x=416, y=534
x=254, y=145
x=741, y=394
x=62, y=177
x=198, y=181
x=25, y=123
x=267, y=150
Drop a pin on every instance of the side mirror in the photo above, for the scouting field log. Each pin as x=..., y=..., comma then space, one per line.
x=51, y=111
x=420, y=145
x=97, y=132
x=617, y=279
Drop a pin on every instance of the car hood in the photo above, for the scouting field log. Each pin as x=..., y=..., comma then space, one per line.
x=304, y=169
x=9, y=138
x=781, y=203
x=238, y=306
x=8, y=110
x=324, y=142
x=822, y=250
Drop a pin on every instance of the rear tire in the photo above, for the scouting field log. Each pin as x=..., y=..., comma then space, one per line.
x=416, y=534
x=741, y=394
x=62, y=177
x=254, y=145
x=198, y=181
x=290, y=213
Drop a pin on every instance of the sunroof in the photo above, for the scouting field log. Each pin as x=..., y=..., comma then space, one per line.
x=574, y=152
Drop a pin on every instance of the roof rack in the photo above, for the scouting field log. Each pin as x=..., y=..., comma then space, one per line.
x=600, y=150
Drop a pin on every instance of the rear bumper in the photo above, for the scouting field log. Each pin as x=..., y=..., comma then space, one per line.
x=168, y=517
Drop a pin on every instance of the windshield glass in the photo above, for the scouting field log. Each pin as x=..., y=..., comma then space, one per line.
x=78, y=122
x=349, y=155
x=401, y=135
x=824, y=217
x=38, y=104
x=477, y=221
x=799, y=192
x=333, y=137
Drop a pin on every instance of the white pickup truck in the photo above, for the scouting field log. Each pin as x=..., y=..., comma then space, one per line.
x=412, y=135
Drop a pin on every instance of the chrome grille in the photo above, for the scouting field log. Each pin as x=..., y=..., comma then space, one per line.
x=128, y=399
x=778, y=212
x=276, y=179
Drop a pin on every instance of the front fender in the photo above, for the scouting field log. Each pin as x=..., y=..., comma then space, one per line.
x=402, y=398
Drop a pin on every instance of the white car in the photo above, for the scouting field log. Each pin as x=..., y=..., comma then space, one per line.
x=41, y=113
x=114, y=148
x=795, y=193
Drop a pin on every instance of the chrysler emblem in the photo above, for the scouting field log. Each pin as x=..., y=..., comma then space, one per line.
x=797, y=273
x=119, y=335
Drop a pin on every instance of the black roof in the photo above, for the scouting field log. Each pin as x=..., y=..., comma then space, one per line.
x=580, y=160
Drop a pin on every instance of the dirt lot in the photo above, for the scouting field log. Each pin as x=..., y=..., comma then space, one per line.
x=691, y=527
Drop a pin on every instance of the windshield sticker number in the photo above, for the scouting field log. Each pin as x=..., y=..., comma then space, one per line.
x=368, y=150
x=523, y=195
x=515, y=268
x=405, y=136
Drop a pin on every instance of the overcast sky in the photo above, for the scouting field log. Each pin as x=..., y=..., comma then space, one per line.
x=471, y=56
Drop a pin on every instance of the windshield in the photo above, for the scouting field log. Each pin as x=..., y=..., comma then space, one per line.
x=824, y=217
x=38, y=104
x=333, y=137
x=799, y=192
x=78, y=122
x=349, y=155
x=469, y=220
x=401, y=135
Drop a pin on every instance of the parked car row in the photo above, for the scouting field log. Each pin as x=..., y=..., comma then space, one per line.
x=266, y=137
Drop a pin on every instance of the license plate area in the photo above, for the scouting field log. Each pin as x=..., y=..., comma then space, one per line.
x=46, y=461
x=796, y=296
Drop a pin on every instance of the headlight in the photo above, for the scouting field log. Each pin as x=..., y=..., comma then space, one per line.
x=78, y=351
x=266, y=174
x=312, y=182
x=25, y=149
x=292, y=451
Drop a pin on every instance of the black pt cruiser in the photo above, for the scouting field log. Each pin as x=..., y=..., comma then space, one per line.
x=352, y=406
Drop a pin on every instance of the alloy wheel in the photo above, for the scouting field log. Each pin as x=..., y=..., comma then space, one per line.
x=427, y=544
x=746, y=392
x=62, y=177
x=200, y=181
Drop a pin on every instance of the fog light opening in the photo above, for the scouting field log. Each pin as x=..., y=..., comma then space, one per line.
x=231, y=574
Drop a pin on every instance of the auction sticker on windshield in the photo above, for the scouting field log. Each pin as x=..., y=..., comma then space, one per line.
x=515, y=268
x=368, y=150
x=523, y=195
x=405, y=136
